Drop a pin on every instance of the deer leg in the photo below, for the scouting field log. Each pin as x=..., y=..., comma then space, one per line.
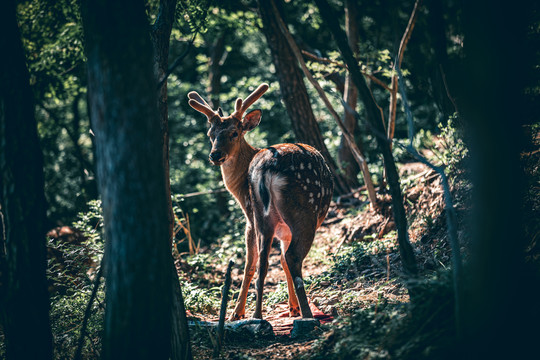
x=294, y=257
x=249, y=271
x=294, y=308
x=266, y=245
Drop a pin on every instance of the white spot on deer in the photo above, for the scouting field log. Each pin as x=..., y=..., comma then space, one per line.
x=316, y=207
x=304, y=187
x=315, y=172
x=318, y=195
x=298, y=175
x=310, y=194
x=308, y=181
x=301, y=166
x=292, y=167
x=317, y=182
x=311, y=201
x=309, y=166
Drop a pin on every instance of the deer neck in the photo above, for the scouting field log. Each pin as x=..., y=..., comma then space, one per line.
x=235, y=172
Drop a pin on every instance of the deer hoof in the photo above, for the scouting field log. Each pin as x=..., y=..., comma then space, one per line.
x=235, y=317
x=294, y=311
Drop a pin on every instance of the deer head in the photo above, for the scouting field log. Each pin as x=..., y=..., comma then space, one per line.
x=226, y=133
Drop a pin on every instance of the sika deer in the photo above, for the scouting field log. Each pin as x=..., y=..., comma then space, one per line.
x=284, y=191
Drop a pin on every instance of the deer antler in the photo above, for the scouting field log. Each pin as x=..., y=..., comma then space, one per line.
x=198, y=103
x=241, y=106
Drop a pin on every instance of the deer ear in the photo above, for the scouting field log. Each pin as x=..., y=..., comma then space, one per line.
x=251, y=120
x=220, y=112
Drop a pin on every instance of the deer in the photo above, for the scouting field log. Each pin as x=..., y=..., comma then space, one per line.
x=284, y=191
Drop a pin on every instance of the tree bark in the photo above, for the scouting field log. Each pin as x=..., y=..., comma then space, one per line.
x=294, y=92
x=131, y=179
x=376, y=122
x=494, y=106
x=161, y=33
x=24, y=302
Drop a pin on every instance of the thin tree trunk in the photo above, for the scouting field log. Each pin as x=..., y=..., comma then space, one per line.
x=24, y=302
x=345, y=157
x=294, y=92
x=376, y=122
x=131, y=179
x=161, y=33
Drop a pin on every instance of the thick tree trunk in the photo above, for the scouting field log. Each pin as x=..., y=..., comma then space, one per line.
x=161, y=33
x=375, y=119
x=494, y=107
x=131, y=179
x=294, y=92
x=24, y=302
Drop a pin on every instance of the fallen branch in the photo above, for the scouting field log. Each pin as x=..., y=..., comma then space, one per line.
x=223, y=310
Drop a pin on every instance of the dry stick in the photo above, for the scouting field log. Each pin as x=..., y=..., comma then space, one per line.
x=347, y=135
x=450, y=213
x=82, y=335
x=397, y=65
x=223, y=310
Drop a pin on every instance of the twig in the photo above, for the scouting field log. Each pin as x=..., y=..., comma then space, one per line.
x=87, y=312
x=223, y=310
x=198, y=193
x=397, y=65
x=177, y=62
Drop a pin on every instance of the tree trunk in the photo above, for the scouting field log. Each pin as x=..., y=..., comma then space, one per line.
x=294, y=92
x=24, y=302
x=348, y=164
x=161, y=33
x=494, y=107
x=131, y=179
x=375, y=118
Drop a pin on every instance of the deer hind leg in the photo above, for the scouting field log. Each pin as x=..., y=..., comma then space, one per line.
x=265, y=227
x=297, y=251
x=294, y=307
x=249, y=271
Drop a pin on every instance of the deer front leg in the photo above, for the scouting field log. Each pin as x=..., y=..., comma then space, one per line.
x=249, y=271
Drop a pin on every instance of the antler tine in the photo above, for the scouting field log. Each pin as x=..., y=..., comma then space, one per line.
x=198, y=103
x=254, y=97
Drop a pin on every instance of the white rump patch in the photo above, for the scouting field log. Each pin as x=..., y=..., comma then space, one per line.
x=274, y=183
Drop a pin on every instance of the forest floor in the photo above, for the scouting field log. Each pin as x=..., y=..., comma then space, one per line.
x=353, y=265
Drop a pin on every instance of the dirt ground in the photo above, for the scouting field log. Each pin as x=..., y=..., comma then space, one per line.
x=349, y=220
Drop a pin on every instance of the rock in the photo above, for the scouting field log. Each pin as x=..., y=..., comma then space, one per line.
x=259, y=328
x=303, y=327
x=239, y=330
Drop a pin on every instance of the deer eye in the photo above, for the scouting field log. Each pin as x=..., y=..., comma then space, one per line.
x=234, y=134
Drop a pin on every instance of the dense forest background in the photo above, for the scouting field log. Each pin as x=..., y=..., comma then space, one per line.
x=469, y=77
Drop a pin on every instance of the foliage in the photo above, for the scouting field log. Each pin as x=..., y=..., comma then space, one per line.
x=72, y=281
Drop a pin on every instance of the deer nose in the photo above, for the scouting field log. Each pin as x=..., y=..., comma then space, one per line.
x=216, y=157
